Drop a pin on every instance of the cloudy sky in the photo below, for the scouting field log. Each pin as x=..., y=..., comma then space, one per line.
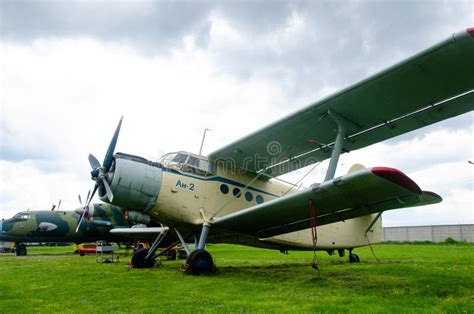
x=172, y=68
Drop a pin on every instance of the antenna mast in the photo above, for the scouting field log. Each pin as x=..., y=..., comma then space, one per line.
x=203, y=137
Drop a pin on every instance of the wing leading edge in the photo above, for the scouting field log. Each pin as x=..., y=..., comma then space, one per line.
x=434, y=85
x=356, y=194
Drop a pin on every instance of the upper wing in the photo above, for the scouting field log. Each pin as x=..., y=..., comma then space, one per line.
x=431, y=86
x=356, y=194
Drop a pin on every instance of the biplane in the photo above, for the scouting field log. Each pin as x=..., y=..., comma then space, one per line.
x=234, y=195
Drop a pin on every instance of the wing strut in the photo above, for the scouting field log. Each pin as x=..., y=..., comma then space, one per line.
x=373, y=222
x=368, y=229
x=342, y=126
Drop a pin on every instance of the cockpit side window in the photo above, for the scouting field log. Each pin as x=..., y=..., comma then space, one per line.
x=207, y=166
x=198, y=166
x=166, y=158
x=189, y=163
x=180, y=158
x=193, y=161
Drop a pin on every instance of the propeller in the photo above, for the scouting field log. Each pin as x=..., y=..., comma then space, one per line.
x=85, y=210
x=99, y=172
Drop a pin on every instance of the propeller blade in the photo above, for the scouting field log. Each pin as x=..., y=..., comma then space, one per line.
x=96, y=186
x=80, y=221
x=59, y=205
x=108, y=190
x=110, y=151
x=80, y=200
x=88, y=194
x=95, y=164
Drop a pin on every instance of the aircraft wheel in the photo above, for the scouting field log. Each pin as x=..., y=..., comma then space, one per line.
x=21, y=250
x=199, y=262
x=139, y=261
x=354, y=258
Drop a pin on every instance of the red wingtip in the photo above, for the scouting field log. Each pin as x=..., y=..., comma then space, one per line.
x=470, y=30
x=397, y=177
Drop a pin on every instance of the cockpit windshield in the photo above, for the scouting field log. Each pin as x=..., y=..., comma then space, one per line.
x=187, y=162
x=22, y=216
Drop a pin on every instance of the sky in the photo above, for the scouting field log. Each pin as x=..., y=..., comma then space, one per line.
x=70, y=70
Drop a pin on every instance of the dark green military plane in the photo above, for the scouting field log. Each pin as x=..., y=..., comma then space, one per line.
x=60, y=226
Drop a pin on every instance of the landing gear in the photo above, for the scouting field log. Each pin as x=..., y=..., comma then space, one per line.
x=20, y=250
x=139, y=259
x=199, y=262
x=353, y=258
x=341, y=252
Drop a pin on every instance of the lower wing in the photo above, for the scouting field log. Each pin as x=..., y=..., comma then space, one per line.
x=353, y=195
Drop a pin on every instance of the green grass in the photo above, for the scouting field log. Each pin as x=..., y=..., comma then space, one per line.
x=408, y=278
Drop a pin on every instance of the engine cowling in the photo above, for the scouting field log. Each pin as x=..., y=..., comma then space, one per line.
x=135, y=182
x=135, y=217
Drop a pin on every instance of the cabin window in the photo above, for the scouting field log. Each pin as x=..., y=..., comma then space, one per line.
x=224, y=189
x=236, y=192
x=259, y=199
x=248, y=196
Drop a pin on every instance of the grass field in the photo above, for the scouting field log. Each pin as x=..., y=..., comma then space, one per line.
x=408, y=278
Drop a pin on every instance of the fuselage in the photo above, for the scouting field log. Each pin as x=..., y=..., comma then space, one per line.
x=183, y=190
x=60, y=226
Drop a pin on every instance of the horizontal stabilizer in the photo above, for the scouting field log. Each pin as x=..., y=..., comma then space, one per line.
x=354, y=195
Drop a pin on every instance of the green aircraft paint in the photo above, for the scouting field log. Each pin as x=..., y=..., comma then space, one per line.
x=59, y=226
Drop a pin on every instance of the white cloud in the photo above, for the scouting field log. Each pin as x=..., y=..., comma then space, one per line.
x=23, y=187
x=64, y=98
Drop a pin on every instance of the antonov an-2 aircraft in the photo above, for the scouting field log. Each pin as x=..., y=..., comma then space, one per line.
x=233, y=196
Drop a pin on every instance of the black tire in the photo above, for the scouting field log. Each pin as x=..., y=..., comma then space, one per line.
x=21, y=250
x=139, y=261
x=200, y=262
x=354, y=258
